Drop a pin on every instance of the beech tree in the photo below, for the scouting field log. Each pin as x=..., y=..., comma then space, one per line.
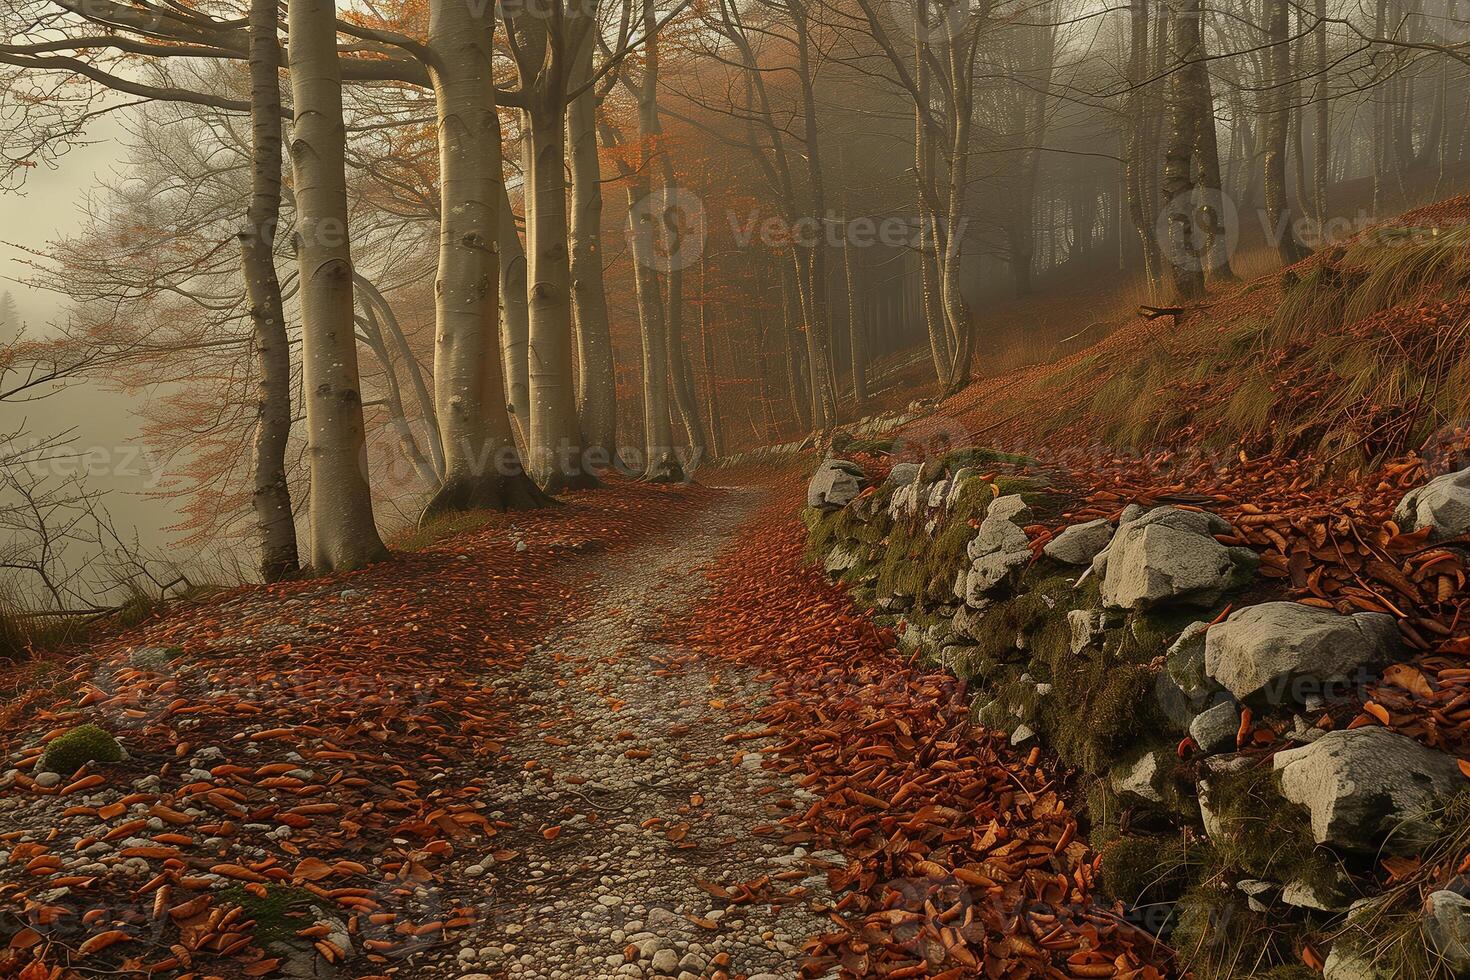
x=272, y=498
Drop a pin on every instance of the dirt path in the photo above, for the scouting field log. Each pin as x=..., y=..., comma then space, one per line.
x=549, y=748
x=482, y=758
x=640, y=766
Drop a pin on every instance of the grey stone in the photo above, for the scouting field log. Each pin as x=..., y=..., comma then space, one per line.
x=1217, y=766
x=154, y=658
x=1130, y=514
x=1168, y=557
x=1346, y=963
x=1278, y=652
x=1086, y=626
x=1447, y=924
x=1256, y=893
x=1442, y=504
x=46, y=780
x=665, y=960
x=903, y=474
x=1022, y=734
x=1369, y=787
x=1215, y=728
x=938, y=494
x=905, y=500
x=998, y=534
x=835, y=484
x=1142, y=778
x=992, y=571
x=957, y=484
x=1012, y=507
x=1324, y=896
x=1080, y=543
x=1185, y=663
x=840, y=559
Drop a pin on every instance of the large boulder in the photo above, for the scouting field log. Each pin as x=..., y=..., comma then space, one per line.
x=1080, y=543
x=1442, y=504
x=1369, y=788
x=1170, y=557
x=835, y=484
x=1286, y=652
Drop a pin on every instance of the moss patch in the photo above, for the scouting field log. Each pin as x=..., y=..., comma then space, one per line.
x=280, y=915
x=85, y=743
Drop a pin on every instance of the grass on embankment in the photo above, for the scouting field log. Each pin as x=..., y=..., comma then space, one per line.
x=1355, y=355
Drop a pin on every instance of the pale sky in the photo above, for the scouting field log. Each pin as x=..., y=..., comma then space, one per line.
x=103, y=422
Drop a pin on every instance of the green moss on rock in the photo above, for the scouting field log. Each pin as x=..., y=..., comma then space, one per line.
x=86, y=743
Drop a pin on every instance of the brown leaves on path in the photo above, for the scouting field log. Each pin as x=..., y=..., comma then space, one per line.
x=324, y=742
x=962, y=857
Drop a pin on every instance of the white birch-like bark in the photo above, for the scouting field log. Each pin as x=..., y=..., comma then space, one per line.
x=343, y=533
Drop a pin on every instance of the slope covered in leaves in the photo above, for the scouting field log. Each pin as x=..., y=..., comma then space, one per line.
x=963, y=857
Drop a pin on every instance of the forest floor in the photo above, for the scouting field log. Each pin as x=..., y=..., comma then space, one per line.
x=634, y=736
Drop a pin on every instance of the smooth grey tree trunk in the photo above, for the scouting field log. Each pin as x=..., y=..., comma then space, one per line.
x=597, y=407
x=660, y=463
x=1200, y=107
x=554, y=437
x=343, y=533
x=681, y=379
x=482, y=467
x=515, y=316
x=274, y=519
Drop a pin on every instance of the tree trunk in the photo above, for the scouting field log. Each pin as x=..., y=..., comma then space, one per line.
x=681, y=382
x=1184, y=252
x=515, y=315
x=814, y=288
x=272, y=498
x=482, y=468
x=661, y=464
x=1322, y=135
x=1278, y=210
x=794, y=347
x=1200, y=106
x=1139, y=155
x=382, y=310
x=343, y=533
x=707, y=351
x=556, y=450
x=857, y=334
x=596, y=381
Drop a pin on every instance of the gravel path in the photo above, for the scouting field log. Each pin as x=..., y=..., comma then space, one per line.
x=641, y=780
